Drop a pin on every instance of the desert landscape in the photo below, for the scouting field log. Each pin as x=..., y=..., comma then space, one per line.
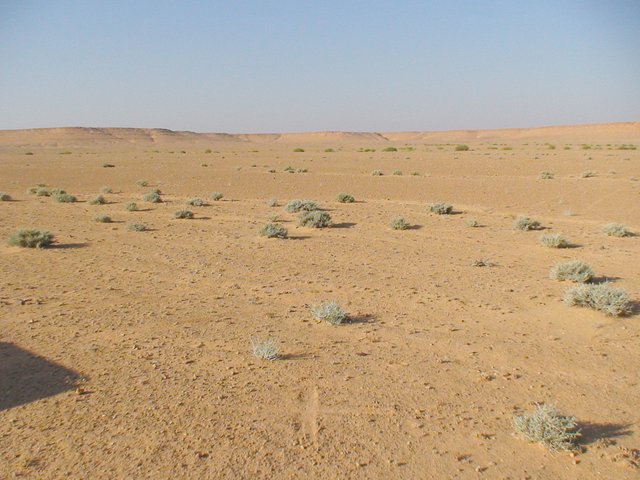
x=188, y=320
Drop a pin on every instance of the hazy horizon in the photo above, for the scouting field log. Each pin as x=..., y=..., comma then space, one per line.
x=336, y=66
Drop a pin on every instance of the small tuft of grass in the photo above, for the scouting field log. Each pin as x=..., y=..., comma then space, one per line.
x=64, y=198
x=547, y=427
x=297, y=205
x=314, y=219
x=440, y=208
x=136, y=227
x=298, y=150
x=152, y=197
x=108, y=165
x=397, y=172
x=616, y=230
x=588, y=174
x=42, y=192
x=545, y=175
x=329, y=150
x=57, y=191
x=554, y=240
x=196, y=202
x=526, y=223
x=31, y=238
x=106, y=190
x=574, y=271
x=5, y=197
x=131, y=206
x=272, y=230
x=266, y=349
x=329, y=311
x=99, y=200
x=272, y=202
x=462, y=148
x=415, y=174
x=390, y=149
x=398, y=223
x=472, y=222
x=377, y=173
x=101, y=218
x=186, y=214
x=216, y=196
x=142, y=183
x=482, y=262
x=603, y=297
x=345, y=198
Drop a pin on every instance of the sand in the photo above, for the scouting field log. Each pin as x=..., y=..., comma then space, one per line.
x=128, y=354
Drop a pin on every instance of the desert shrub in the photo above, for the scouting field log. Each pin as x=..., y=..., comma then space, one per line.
x=616, y=230
x=575, y=271
x=106, y=190
x=216, y=196
x=131, y=206
x=302, y=170
x=298, y=150
x=28, y=153
x=108, y=165
x=57, y=191
x=377, y=173
x=398, y=223
x=101, y=218
x=440, y=208
x=482, y=262
x=99, y=200
x=142, y=183
x=526, y=223
x=64, y=198
x=290, y=169
x=390, y=149
x=588, y=174
x=208, y=150
x=602, y=297
x=546, y=175
x=136, y=227
x=462, y=148
x=314, y=219
x=264, y=349
x=196, y=202
x=152, y=197
x=272, y=202
x=554, y=240
x=397, y=172
x=4, y=197
x=31, y=238
x=415, y=174
x=272, y=230
x=34, y=190
x=42, y=192
x=472, y=222
x=329, y=150
x=188, y=214
x=330, y=312
x=297, y=205
x=345, y=198
x=546, y=426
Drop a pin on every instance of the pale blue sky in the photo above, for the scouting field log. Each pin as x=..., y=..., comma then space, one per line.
x=296, y=65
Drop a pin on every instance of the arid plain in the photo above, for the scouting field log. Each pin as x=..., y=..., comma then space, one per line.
x=127, y=354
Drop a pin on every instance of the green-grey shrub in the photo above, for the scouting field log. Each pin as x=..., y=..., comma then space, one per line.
x=57, y=191
x=106, y=190
x=266, y=349
x=216, y=196
x=136, y=227
x=345, y=198
x=152, y=197
x=4, y=197
x=42, y=192
x=390, y=149
x=142, y=183
x=616, y=230
x=102, y=218
x=34, y=190
x=472, y=222
x=526, y=223
x=99, y=200
x=298, y=150
x=462, y=148
x=131, y=206
x=188, y=214
x=588, y=174
x=329, y=311
x=397, y=172
x=297, y=205
x=272, y=230
x=574, y=271
x=602, y=297
x=554, y=240
x=272, y=202
x=314, y=219
x=31, y=238
x=196, y=202
x=377, y=173
x=441, y=208
x=546, y=426
x=64, y=198
x=546, y=175
x=399, y=223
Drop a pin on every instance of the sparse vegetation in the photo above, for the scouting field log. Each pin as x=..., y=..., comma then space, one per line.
x=142, y=183
x=64, y=198
x=616, y=230
x=108, y=165
x=546, y=175
x=377, y=173
x=329, y=150
x=272, y=202
x=554, y=240
x=99, y=200
x=574, y=271
x=390, y=149
x=184, y=214
x=136, y=227
x=397, y=172
x=602, y=297
x=472, y=222
x=272, y=230
x=101, y=218
x=588, y=174
x=297, y=205
x=399, y=223
x=131, y=206
x=314, y=219
x=106, y=190
x=5, y=197
x=329, y=311
x=264, y=349
x=482, y=262
x=298, y=150
x=440, y=208
x=31, y=238
x=196, y=202
x=547, y=427
x=345, y=198
x=42, y=192
x=462, y=148
x=216, y=196
x=152, y=197
x=526, y=223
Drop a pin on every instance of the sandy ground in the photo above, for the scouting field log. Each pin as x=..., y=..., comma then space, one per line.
x=127, y=354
